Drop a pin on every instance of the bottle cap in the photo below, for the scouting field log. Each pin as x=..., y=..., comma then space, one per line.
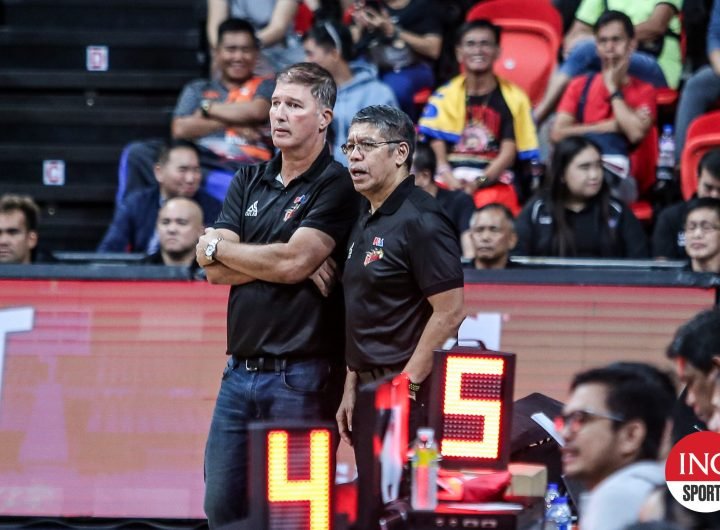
x=552, y=486
x=667, y=128
x=560, y=500
x=426, y=433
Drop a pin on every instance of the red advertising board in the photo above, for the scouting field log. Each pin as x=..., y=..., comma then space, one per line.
x=107, y=387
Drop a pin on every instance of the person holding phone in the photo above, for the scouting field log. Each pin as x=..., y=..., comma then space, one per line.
x=402, y=38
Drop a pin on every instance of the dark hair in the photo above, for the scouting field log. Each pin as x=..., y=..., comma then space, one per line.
x=636, y=391
x=698, y=340
x=424, y=159
x=330, y=35
x=23, y=203
x=392, y=124
x=710, y=162
x=164, y=154
x=237, y=25
x=321, y=83
x=615, y=16
x=499, y=207
x=479, y=23
x=702, y=202
x=563, y=240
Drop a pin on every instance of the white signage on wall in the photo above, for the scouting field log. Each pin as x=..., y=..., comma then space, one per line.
x=12, y=321
x=97, y=58
x=54, y=172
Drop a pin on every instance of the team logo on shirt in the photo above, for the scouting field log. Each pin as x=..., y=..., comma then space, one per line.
x=290, y=212
x=375, y=254
x=252, y=210
x=378, y=241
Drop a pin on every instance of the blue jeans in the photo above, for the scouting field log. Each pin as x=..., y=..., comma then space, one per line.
x=584, y=59
x=301, y=391
x=406, y=82
x=698, y=95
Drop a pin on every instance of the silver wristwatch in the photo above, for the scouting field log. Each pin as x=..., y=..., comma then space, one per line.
x=211, y=249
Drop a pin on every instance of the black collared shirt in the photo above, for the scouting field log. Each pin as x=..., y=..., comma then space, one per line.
x=397, y=257
x=267, y=318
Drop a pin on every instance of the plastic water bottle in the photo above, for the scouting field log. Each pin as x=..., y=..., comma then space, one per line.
x=666, y=155
x=424, y=470
x=551, y=494
x=559, y=516
x=537, y=174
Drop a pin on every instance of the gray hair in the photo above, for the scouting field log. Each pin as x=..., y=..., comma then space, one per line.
x=392, y=124
x=321, y=83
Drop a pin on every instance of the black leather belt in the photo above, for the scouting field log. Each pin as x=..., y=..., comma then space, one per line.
x=373, y=374
x=265, y=364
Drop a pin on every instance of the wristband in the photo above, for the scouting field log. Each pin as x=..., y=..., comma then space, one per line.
x=616, y=94
x=412, y=387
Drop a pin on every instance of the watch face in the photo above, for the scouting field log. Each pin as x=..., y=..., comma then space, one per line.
x=210, y=250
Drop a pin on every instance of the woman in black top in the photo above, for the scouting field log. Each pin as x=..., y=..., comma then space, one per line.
x=576, y=216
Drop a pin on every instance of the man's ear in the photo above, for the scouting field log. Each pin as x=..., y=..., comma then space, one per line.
x=716, y=361
x=32, y=239
x=326, y=119
x=157, y=169
x=401, y=153
x=458, y=55
x=631, y=437
x=513, y=240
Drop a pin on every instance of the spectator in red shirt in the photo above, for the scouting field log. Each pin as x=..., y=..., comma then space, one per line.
x=612, y=108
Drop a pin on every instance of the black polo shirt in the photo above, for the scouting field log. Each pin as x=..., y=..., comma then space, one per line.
x=458, y=205
x=277, y=319
x=397, y=257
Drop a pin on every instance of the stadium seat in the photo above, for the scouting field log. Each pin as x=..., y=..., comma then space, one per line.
x=528, y=55
x=541, y=11
x=643, y=163
x=703, y=134
x=303, y=18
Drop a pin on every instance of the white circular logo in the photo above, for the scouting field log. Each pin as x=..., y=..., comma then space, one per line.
x=692, y=472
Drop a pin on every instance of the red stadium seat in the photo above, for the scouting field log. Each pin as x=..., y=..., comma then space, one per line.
x=665, y=97
x=303, y=18
x=528, y=55
x=643, y=162
x=540, y=10
x=703, y=134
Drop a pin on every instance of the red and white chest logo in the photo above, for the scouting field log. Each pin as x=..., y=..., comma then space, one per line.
x=290, y=212
x=375, y=254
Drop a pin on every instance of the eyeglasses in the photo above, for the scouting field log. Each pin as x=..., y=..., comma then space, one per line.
x=575, y=420
x=704, y=226
x=481, y=44
x=365, y=147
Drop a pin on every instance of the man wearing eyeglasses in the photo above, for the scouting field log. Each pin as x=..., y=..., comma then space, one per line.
x=702, y=235
x=668, y=240
x=403, y=279
x=613, y=426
